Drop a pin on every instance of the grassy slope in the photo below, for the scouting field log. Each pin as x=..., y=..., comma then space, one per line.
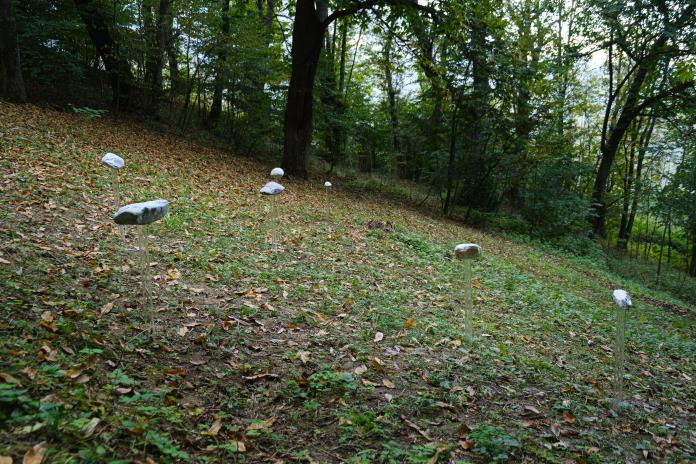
x=264, y=357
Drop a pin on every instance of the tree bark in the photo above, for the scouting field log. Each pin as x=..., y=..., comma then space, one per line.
x=610, y=144
x=644, y=141
x=120, y=75
x=216, y=107
x=307, y=38
x=393, y=109
x=11, y=79
x=172, y=52
x=692, y=267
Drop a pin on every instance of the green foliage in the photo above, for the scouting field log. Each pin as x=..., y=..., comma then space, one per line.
x=494, y=443
x=89, y=113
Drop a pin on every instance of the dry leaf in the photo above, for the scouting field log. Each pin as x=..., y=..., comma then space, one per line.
x=252, y=378
x=409, y=323
x=260, y=425
x=556, y=429
x=387, y=383
x=360, y=370
x=89, y=428
x=215, y=428
x=304, y=356
x=379, y=336
x=568, y=417
x=466, y=444
x=182, y=331
x=106, y=309
x=36, y=454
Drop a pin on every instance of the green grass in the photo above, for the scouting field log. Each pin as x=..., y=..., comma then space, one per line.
x=278, y=358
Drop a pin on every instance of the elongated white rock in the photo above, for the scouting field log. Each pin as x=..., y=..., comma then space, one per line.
x=327, y=184
x=467, y=251
x=277, y=172
x=272, y=188
x=113, y=161
x=622, y=299
x=142, y=213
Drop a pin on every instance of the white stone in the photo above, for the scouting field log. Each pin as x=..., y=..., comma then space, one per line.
x=113, y=161
x=467, y=251
x=622, y=299
x=272, y=188
x=327, y=184
x=142, y=213
x=277, y=172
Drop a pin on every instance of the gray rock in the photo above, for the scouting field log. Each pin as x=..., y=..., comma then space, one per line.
x=467, y=251
x=113, y=161
x=272, y=188
x=622, y=299
x=277, y=172
x=142, y=213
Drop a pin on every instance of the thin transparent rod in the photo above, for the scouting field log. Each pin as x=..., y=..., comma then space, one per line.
x=146, y=282
x=116, y=185
x=620, y=353
x=274, y=220
x=468, y=300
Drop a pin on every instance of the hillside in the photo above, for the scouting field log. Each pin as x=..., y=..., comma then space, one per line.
x=277, y=357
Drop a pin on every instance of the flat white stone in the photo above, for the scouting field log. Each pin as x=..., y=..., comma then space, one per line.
x=272, y=188
x=277, y=172
x=113, y=161
x=142, y=213
x=622, y=299
x=327, y=184
x=467, y=251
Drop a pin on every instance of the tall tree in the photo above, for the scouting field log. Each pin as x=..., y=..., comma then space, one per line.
x=118, y=68
x=388, y=65
x=307, y=38
x=11, y=79
x=220, y=66
x=673, y=38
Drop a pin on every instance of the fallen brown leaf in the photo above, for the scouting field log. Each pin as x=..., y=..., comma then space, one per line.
x=36, y=454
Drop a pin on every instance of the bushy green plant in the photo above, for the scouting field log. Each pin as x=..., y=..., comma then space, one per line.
x=493, y=443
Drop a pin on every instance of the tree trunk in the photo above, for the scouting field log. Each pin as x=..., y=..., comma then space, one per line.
x=307, y=38
x=610, y=144
x=692, y=268
x=11, y=80
x=161, y=38
x=622, y=239
x=216, y=107
x=172, y=52
x=340, y=98
x=393, y=110
x=119, y=71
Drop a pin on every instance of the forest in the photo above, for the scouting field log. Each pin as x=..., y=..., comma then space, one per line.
x=545, y=117
x=362, y=231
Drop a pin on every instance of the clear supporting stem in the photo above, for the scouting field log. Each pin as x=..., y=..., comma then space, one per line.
x=116, y=185
x=146, y=279
x=328, y=202
x=274, y=221
x=620, y=354
x=468, y=300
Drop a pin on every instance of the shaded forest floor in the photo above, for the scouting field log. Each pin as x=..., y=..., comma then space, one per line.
x=345, y=345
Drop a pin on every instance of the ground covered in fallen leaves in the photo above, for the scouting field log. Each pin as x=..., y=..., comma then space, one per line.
x=342, y=344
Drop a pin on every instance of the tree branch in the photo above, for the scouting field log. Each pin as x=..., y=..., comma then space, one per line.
x=366, y=4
